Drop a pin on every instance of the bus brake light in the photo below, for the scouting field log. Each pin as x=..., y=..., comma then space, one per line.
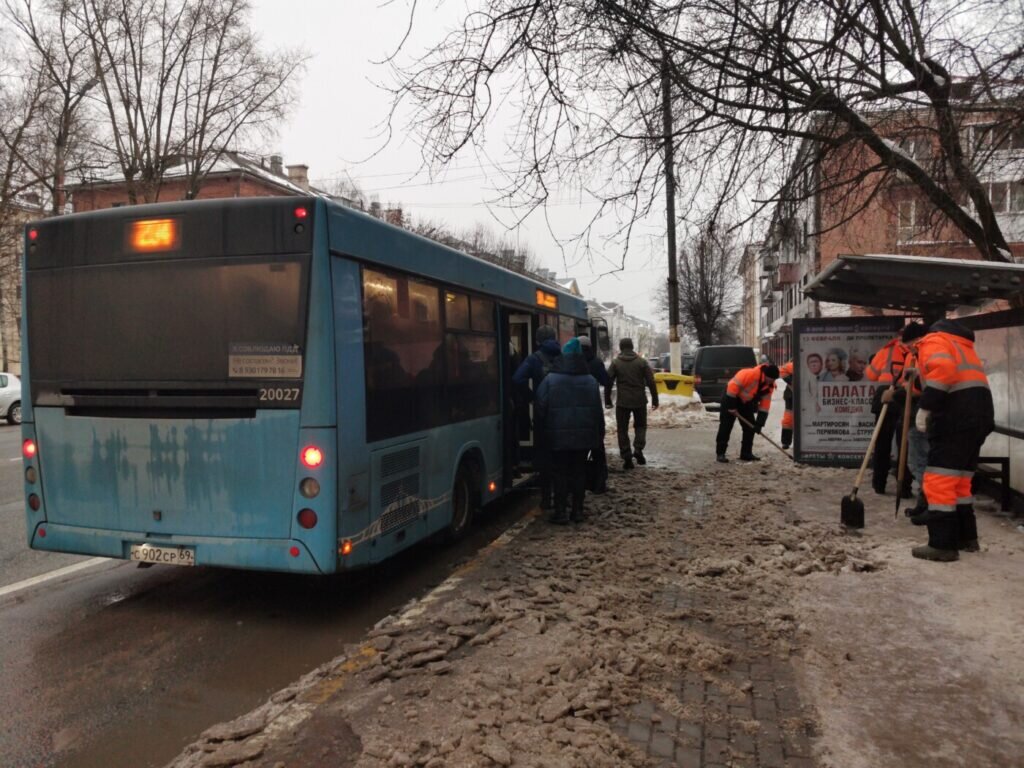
x=28, y=448
x=301, y=213
x=33, y=235
x=312, y=456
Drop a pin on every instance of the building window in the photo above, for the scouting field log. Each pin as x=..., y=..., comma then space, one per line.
x=1006, y=196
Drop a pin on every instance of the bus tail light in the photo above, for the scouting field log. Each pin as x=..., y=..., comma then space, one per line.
x=28, y=449
x=31, y=475
x=307, y=518
x=312, y=457
x=309, y=488
x=34, y=502
x=301, y=213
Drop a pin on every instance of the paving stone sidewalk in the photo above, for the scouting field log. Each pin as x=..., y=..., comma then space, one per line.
x=642, y=637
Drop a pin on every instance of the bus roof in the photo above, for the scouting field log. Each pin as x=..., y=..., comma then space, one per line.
x=361, y=236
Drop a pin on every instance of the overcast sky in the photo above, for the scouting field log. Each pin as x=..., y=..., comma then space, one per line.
x=336, y=126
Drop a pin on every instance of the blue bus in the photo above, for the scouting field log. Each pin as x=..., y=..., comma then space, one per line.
x=277, y=383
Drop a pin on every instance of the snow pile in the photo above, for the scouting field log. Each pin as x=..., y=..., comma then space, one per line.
x=674, y=412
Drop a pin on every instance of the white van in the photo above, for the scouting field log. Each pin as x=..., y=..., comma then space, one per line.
x=10, y=398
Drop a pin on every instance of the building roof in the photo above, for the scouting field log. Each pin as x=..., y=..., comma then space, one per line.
x=230, y=162
x=915, y=283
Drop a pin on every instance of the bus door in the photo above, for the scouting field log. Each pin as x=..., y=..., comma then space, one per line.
x=519, y=419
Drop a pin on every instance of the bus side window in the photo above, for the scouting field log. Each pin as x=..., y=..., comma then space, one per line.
x=404, y=355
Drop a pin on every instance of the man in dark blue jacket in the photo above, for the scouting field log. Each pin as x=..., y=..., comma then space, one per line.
x=532, y=372
x=599, y=482
x=569, y=413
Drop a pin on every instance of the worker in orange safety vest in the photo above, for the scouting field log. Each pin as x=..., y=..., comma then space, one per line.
x=957, y=413
x=749, y=394
x=886, y=369
x=786, y=374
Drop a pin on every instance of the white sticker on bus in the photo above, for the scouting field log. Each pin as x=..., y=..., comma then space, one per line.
x=264, y=361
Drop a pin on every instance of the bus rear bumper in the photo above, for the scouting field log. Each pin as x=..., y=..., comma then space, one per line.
x=286, y=555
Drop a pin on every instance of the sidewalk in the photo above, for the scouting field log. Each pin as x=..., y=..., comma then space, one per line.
x=705, y=615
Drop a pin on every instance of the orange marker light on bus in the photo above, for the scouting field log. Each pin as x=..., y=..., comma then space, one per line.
x=312, y=456
x=346, y=547
x=492, y=486
x=28, y=448
x=153, y=235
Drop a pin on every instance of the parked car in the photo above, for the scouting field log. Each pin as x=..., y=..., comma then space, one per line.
x=10, y=397
x=662, y=363
x=713, y=367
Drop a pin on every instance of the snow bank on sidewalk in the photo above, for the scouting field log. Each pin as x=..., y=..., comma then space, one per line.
x=674, y=412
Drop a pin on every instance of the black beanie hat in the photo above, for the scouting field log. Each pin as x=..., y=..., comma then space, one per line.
x=913, y=331
x=771, y=371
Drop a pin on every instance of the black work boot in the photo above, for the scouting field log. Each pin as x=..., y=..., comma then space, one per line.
x=722, y=459
x=627, y=462
x=639, y=456
x=943, y=530
x=967, y=529
x=560, y=517
x=917, y=510
x=749, y=457
x=787, y=438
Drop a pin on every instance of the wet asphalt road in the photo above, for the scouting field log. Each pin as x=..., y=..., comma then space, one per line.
x=120, y=666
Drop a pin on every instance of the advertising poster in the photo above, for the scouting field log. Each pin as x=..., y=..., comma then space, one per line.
x=832, y=395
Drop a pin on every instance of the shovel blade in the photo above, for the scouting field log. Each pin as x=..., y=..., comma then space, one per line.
x=852, y=512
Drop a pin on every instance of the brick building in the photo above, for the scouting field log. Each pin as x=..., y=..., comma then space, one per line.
x=233, y=175
x=810, y=229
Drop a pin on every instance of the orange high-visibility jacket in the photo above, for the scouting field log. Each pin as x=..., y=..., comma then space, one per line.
x=954, y=380
x=749, y=385
x=888, y=362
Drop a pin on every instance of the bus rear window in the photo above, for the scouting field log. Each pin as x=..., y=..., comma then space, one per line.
x=162, y=321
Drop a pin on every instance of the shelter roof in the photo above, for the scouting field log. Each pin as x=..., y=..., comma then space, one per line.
x=915, y=283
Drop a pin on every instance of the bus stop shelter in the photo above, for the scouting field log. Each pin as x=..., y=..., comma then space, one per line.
x=924, y=285
x=931, y=287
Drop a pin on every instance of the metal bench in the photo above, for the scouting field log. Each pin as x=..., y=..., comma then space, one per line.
x=998, y=467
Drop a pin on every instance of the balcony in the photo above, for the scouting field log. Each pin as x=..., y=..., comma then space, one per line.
x=786, y=274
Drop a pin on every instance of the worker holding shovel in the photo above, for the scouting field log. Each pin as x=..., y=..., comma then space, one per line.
x=747, y=397
x=957, y=413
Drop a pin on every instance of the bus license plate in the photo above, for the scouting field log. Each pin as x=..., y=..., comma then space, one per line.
x=147, y=553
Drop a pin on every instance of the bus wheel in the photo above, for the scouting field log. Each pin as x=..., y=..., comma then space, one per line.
x=14, y=414
x=463, y=503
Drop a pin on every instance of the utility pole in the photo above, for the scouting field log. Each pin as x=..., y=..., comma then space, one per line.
x=675, y=352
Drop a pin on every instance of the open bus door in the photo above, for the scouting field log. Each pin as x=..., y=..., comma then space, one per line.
x=599, y=335
x=517, y=415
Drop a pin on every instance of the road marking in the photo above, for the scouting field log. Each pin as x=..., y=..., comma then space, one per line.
x=18, y=458
x=60, y=572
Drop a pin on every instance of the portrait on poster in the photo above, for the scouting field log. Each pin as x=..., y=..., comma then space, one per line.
x=832, y=394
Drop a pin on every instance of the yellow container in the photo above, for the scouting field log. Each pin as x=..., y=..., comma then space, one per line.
x=674, y=384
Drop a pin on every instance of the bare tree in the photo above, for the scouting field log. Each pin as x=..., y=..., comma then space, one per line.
x=65, y=66
x=180, y=82
x=749, y=82
x=23, y=95
x=482, y=242
x=708, y=295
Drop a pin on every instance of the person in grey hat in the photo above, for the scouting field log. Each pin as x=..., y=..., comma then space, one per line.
x=526, y=381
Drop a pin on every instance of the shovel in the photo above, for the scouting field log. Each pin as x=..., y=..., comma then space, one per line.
x=781, y=450
x=852, y=510
x=901, y=472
